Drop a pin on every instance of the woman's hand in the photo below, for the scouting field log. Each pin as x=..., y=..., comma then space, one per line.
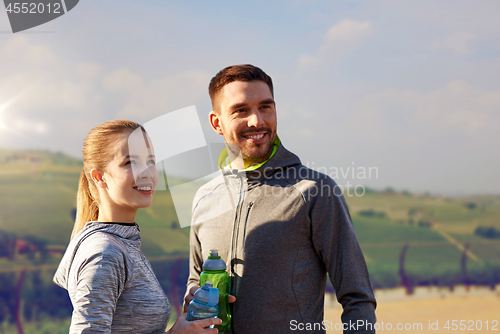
x=182, y=326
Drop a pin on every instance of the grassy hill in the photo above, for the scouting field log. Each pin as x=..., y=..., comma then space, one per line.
x=436, y=230
x=38, y=194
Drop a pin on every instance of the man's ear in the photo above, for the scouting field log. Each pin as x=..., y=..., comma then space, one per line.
x=215, y=122
x=97, y=178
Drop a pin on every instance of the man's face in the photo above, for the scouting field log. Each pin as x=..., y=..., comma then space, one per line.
x=247, y=119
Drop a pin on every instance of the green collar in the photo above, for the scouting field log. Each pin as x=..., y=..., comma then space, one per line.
x=223, y=160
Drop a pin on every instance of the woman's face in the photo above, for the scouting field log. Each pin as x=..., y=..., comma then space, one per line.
x=131, y=176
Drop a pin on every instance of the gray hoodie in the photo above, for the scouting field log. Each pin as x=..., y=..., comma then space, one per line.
x=280, y=239
x=110, y=283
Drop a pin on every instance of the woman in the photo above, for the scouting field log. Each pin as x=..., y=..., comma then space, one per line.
x=111, y=284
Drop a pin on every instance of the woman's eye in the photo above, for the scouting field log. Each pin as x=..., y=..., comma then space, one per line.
x=131, y=162
x=151, y=162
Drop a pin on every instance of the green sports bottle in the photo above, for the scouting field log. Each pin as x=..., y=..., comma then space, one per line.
x=214, y=270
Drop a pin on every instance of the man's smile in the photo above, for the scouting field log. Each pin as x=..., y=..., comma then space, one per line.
x=256, y=137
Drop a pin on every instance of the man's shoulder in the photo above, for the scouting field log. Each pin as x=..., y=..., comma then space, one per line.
x=210, y=190
x=301, y=173
x=310, y=182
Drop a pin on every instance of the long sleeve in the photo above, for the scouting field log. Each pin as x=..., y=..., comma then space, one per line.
x=195, y=259
x=98, y=282
x=336, y=243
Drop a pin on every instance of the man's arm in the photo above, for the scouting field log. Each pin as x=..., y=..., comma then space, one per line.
x=336, y=243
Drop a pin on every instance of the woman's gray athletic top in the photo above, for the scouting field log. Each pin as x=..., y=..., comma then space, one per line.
x=110, y=283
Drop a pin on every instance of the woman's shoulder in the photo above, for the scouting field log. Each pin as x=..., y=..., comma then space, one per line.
x=101, y=256
x=98, y=245
x=104, y=244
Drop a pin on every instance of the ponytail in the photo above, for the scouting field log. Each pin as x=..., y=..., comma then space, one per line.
x=87, y=207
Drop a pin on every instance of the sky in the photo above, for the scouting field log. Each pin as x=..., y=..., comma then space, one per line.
x=409, y=89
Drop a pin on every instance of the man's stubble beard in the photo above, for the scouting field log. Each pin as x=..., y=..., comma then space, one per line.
x=262, y=157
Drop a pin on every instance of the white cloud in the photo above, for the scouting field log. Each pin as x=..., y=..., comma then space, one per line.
x=20, y=50
x=59, y=101
x=457, y=107
x=124, y=81
x=88, y=70
x=28, y=126
x=460, y=43
x=339, y=41
x=151, y=98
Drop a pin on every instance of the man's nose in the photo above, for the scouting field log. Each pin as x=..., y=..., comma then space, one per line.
x=255, y=119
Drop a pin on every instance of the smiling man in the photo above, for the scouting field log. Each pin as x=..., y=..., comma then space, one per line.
x=244, y=112
x=288, y=225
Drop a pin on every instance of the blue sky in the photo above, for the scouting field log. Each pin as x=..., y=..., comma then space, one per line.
x=408, y=87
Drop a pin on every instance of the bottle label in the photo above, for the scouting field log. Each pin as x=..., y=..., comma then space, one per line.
x=194, y=318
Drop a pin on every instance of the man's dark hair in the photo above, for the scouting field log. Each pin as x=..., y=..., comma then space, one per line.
x=229, y=74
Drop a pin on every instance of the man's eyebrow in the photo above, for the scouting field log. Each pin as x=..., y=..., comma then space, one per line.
x=237, y=105
x=268, y=101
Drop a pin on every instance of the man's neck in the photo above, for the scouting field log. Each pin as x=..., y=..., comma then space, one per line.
x=237, y=162
x=231, y=157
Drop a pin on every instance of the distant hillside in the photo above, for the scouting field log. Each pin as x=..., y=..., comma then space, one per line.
x=37, y=156
x=38, y=196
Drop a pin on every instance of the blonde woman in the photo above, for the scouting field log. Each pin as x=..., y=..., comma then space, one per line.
x=110, y=283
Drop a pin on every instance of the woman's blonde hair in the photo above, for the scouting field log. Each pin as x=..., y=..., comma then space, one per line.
x=96, y=155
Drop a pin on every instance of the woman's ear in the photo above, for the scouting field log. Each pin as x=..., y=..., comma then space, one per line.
x=98, y=178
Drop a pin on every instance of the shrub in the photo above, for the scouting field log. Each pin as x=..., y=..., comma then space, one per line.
x=372, y=213
x=487, y=232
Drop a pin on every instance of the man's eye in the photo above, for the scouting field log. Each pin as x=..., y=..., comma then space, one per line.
x=152, y=162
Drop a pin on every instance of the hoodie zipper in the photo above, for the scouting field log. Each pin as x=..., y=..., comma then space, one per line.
x=245, y=225
x=233, y=243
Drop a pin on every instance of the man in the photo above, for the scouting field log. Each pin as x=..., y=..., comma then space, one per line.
x=288, y=227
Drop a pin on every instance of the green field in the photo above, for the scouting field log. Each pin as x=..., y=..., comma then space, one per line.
x=436, y=230
x=38, y=199
x=38, y=194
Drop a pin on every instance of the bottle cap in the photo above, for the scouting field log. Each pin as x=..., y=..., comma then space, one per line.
x=214, y=254
x=207, y=294
x=214, y=262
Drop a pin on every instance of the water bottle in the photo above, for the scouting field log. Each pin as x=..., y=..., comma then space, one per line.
x=204, y=303
x=214, y=270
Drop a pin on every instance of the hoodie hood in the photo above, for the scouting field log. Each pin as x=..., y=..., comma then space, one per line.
x=129, y=232
x=281, y=159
